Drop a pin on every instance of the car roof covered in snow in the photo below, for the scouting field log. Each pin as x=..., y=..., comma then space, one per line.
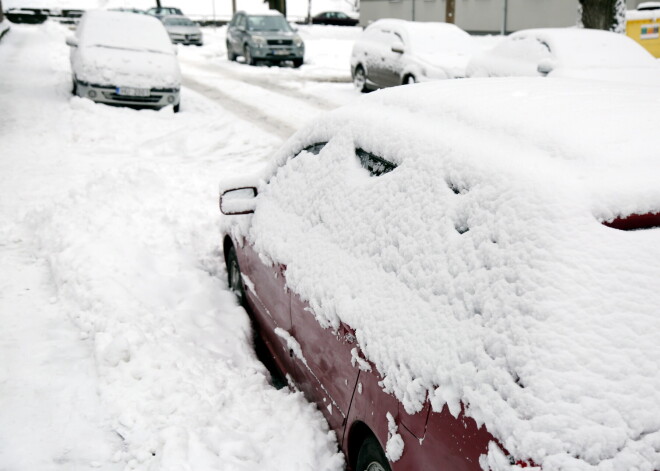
x=478, y=272
x=123, y=30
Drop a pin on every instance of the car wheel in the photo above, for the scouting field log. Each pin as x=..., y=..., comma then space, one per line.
x=297, y=63
x=249, y=60
x=409, y=80
x=177, y=107
x=231, y=55
x=371, y=456
x=74, y=88
x=234, y=280
x=360, y=79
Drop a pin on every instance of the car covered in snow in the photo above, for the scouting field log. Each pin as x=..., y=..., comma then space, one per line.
x=183, y=30
x=464, y=276
x=121, y=58
x=263, y=37
x=393, y=52
x=567, y=52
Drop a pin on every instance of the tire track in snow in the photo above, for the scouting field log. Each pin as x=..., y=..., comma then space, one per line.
x=270, y=85
x=243, y=110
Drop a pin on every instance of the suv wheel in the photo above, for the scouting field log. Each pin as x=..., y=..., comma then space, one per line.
x=231, y=55
x=247, y=55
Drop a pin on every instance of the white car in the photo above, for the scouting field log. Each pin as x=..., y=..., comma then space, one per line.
x=567, y=52
x=121, y=58
x=393, y=52
x=183, y=30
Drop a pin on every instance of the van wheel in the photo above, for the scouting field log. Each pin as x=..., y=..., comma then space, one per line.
x=371, y=456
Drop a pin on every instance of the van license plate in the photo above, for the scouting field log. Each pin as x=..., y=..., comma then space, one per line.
x=131, y=91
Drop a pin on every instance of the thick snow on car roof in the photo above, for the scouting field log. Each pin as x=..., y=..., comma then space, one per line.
x=578, y=47
x=124, y=30
x=478, y=272
x=433, y=37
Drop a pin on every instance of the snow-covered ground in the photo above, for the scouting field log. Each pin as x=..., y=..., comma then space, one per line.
x=121, y=347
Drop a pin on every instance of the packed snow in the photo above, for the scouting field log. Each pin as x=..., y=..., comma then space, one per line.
x=122, y=348
x=478, y=271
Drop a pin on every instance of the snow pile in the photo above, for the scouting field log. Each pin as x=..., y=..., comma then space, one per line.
x=477, y=272
x=114, y=212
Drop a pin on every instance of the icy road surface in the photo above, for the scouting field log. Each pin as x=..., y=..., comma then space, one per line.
x=120, y=347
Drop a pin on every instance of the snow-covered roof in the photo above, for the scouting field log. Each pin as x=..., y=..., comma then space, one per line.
x=478, y=271
x=123, y=30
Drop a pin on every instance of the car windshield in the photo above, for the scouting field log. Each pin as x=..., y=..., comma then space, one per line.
x=178, y=22
x=120, y=30
x=267, y=23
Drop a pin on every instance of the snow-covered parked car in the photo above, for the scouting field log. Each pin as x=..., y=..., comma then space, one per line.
x=444, y=270
x=567, y=52
x=121, y=58
x=183, y=30
x=393, y=52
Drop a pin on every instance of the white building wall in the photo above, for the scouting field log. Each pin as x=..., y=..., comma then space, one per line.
x=481, y=16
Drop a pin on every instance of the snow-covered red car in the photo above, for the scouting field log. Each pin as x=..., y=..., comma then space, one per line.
x=567, y=53
x=121, y=58
x=465, y=275
x=393, y=52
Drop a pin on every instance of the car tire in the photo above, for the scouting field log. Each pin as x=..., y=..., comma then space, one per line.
x=360, y=79
x=177, y=107
x=247, y=55
x=297, y=63
x=234, y=279
x=409, y=80
x=371, y=456
x=74, y=88
x=231, y=55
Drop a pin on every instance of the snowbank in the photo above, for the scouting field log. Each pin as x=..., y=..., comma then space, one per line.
x=478, y=271
x=116, y=211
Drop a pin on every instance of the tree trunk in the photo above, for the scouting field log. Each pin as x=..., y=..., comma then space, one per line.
x=609, y=15
x=279, y=5
x=158, y=3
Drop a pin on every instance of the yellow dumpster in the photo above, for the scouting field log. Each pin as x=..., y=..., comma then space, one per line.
x=644, y=27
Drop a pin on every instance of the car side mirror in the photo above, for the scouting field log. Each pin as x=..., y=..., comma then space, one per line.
x=238, y=201
x=397, y=47
x=71, y=41
x=545, y=67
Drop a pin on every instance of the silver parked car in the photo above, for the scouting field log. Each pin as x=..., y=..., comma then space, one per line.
x=393, y=52
x=121, y=58
x=183, y=30
x=264, y=37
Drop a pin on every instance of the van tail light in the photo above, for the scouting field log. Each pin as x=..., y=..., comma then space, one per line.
x=635, y=222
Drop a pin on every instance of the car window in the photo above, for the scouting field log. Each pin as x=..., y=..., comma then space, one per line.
x=376, y=166
x=341, y=15
x=267, y=23
x=525, y=48
x=241, y=22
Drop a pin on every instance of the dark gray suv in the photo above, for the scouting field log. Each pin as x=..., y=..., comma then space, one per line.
x=263, y=37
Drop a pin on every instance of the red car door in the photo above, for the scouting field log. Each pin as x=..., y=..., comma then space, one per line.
x=269, y=300
x=327, y=371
